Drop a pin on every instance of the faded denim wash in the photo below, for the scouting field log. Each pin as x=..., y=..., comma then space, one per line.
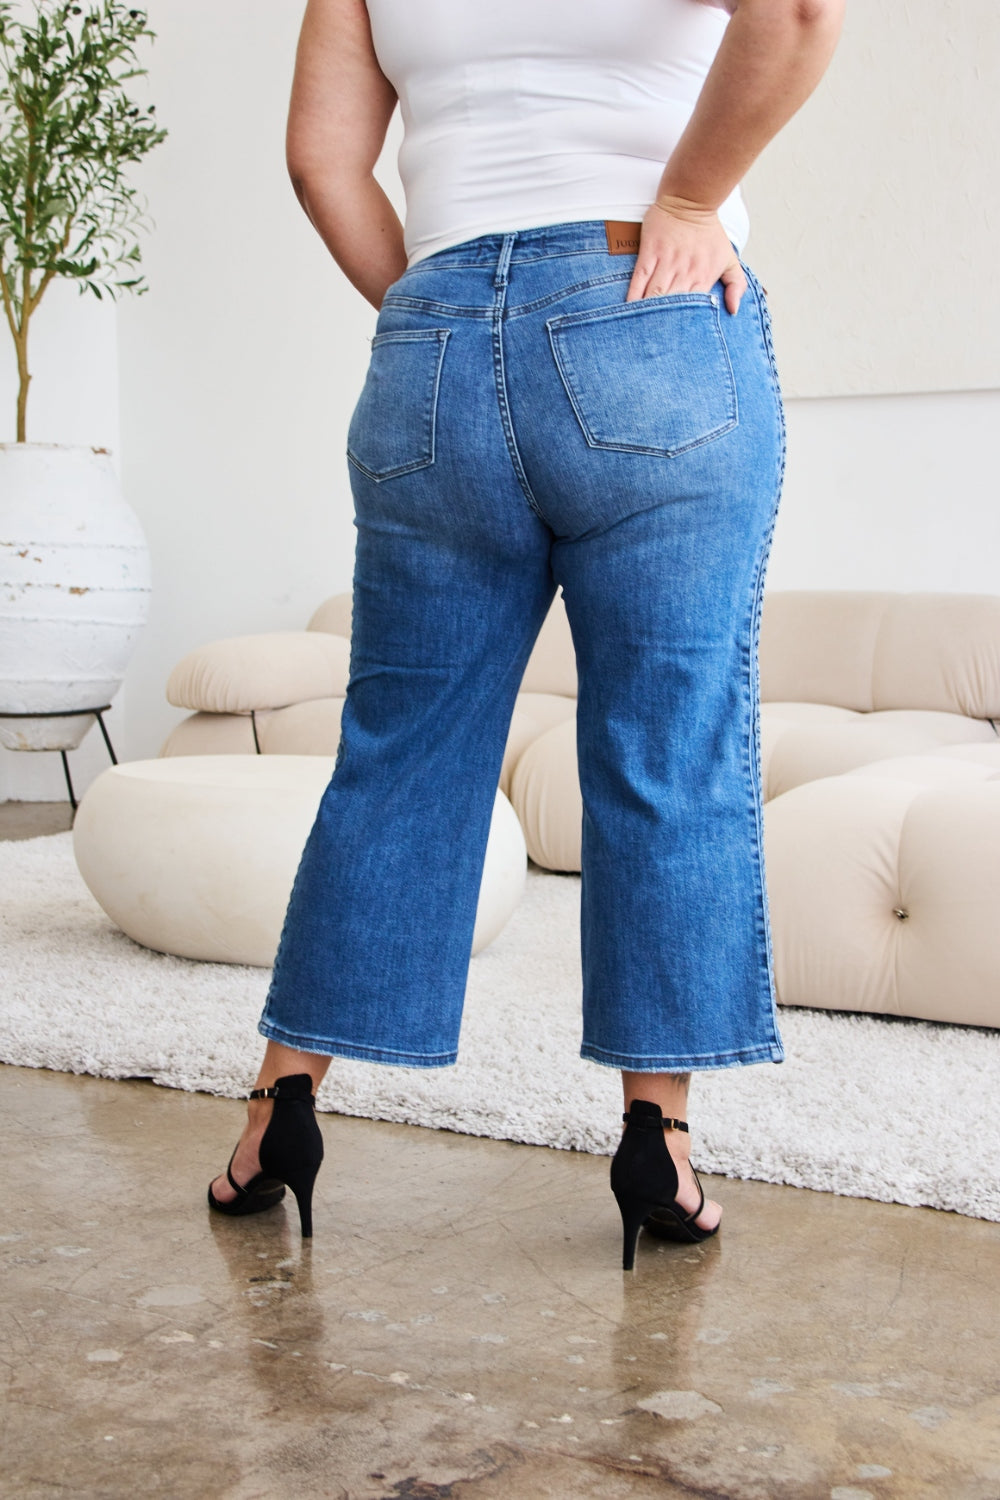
x=523, y=428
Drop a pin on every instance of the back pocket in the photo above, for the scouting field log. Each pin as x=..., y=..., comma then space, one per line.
x=393, y=426
x=647, y=377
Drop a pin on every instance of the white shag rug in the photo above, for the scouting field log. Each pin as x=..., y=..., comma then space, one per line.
x=898, y=1111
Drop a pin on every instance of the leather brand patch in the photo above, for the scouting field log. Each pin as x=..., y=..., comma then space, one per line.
x=623, y=238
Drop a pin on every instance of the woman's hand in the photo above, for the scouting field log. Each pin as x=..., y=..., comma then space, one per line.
x=684, y=248
x=772, y=55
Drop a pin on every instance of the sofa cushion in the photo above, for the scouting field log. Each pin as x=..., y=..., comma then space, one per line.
x=534, y=713
x=818, y=647
x=800, y=743
x=940, y=769
x=940, y=651
x=986, y=753
x=869, y=650
x=545, y=792
x=333, y=616
x=797, y=752
x=250, y=672
x=552, y=664
x=302, y=729
x=211, y=734
x=884, y=887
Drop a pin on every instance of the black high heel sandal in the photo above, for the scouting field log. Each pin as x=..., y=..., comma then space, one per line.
x=291, y=1151
x=644, y=1182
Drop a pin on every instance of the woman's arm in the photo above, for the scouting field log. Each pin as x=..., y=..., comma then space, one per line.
x=340, y=110
x=772, y=56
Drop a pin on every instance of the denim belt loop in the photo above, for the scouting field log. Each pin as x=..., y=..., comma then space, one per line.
x=503, y=263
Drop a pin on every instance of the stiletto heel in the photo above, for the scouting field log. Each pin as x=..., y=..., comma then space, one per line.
x=634, y=1214
x=291, y=1152
x=644, y=1182
x=303, y=1201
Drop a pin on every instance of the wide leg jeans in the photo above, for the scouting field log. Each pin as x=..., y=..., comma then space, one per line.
x=523, y=428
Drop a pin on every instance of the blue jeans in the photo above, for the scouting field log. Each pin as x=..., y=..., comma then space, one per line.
x=522, y=427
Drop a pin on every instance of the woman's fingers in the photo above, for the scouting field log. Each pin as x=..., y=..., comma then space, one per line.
x=735, y=284
x=654, y=279
x=677, y=255
x=644, y=269
x=647, y=274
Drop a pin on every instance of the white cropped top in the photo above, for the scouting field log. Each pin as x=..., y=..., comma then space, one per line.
x=520, y=113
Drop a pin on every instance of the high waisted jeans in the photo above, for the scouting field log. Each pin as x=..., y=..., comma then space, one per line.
x=522, y=427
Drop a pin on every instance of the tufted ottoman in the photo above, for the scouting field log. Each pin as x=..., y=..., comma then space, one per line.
x=884, y=888
x=195, y=855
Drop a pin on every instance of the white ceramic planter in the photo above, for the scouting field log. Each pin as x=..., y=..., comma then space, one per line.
x=74, y=590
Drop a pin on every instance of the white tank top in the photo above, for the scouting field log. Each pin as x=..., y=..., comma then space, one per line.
x=520, y=113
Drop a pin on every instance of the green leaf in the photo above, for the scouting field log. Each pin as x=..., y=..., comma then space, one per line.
x=69, y=132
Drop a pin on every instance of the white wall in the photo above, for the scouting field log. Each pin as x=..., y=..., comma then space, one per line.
x=239, y=366
x=891, y=492
x=239, y=369
x=876, y=209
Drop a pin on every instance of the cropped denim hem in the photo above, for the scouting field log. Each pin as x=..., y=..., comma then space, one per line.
x=701, y=1063
x=321, y=1046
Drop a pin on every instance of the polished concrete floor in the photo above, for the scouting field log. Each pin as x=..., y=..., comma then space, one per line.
x=460, y=1327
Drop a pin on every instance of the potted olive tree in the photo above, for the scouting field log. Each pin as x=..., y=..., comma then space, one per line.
x=74, y=567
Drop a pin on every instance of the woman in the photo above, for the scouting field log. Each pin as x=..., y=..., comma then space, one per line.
x=572, y=384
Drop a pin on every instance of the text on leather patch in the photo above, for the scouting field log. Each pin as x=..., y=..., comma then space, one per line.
x=623, y=238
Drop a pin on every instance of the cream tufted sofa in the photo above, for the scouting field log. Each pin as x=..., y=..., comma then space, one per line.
x=881, y=774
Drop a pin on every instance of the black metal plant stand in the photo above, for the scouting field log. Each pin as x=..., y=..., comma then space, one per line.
x=73, y=713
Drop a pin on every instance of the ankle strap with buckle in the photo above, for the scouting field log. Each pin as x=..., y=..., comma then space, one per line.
x=296, y=1086
x=650, y=1122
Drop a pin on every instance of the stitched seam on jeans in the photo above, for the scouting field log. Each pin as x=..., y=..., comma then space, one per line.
x=500, y=383
x=578, y=286
x=428, y=304
x=682, y=1063
x=330, y=1047
x=642, y=308
x=521, y=257
x=753, y=668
